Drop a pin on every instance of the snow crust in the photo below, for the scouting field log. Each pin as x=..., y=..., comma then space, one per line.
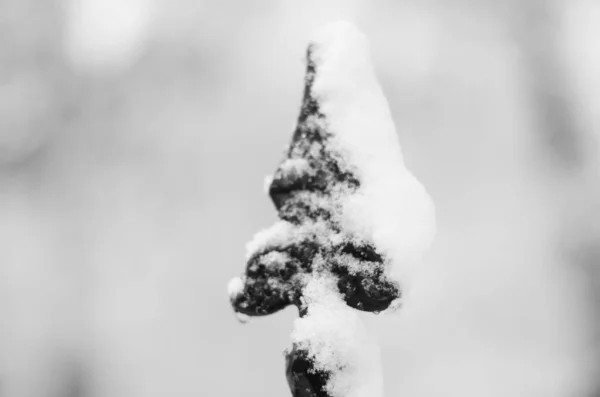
x=284, y=233
x=391, y=207
x=235, y=286
x=338, y=342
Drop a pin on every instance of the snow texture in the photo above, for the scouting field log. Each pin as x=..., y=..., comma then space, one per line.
x=354, y=222
x=235, y=286
x=336, y=339
x=391, y=207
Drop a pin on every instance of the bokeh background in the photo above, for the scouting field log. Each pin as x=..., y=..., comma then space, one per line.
x=135, y=136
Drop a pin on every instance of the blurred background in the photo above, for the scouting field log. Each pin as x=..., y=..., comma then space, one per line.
x=134, y=139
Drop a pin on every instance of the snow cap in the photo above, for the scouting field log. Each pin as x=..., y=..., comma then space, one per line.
x=354, y=223
x=391, y=207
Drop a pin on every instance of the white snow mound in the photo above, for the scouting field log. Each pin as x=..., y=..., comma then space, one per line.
x=391, y=207
x=338, y=342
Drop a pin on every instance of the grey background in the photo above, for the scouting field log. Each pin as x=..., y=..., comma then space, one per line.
x=134, y=139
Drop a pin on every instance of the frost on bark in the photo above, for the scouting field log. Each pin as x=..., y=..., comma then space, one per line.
x=325, y=255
